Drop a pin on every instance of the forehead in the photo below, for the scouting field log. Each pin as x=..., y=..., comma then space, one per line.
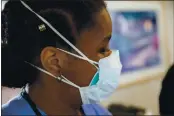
x=104, y=22
x=101, y=29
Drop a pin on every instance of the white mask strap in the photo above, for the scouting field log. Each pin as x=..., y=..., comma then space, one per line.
x=58, y=78
x=91, y=61
x=54, y=30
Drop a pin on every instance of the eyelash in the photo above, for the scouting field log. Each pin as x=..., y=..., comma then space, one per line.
x=103, y=50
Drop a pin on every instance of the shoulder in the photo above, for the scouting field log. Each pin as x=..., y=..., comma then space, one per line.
x=16, y=106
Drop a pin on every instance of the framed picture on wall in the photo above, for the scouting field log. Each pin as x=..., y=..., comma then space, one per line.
x=138, y=35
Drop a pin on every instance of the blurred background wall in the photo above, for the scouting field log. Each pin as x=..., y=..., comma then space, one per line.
x=170, y=24
x=144, y=94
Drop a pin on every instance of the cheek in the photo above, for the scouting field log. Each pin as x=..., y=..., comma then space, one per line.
x=87, y=72
x=80, y=72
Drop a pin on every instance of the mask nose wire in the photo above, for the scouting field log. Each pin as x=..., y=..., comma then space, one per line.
x=55, y=31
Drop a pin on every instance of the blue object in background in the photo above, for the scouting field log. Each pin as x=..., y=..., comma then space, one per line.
x=135, y=35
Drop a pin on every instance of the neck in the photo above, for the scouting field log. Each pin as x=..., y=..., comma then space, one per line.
x=54, y=100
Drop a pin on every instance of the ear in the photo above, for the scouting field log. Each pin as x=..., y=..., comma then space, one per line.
x=50, y=61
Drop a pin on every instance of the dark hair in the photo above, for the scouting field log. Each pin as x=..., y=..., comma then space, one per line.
x=119, y=109
x=166, y=98
x=23, y=41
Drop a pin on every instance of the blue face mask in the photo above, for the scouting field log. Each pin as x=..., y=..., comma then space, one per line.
x=104, y=82
x=95, y=79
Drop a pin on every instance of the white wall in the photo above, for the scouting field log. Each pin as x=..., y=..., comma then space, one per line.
x=170, y=24
x=8, y=94
x=2, y=4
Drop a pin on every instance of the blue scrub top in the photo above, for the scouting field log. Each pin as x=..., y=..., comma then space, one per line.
x=19, y=106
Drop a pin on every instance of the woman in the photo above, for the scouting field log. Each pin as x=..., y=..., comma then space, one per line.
x=53, y=49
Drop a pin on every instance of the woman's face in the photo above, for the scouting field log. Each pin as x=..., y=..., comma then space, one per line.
x=93, y=42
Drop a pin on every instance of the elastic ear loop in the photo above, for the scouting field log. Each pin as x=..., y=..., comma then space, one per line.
x=64, y=79
x=90, y=61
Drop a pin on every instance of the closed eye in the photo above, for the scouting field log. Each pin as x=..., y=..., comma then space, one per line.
x=107, y=38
